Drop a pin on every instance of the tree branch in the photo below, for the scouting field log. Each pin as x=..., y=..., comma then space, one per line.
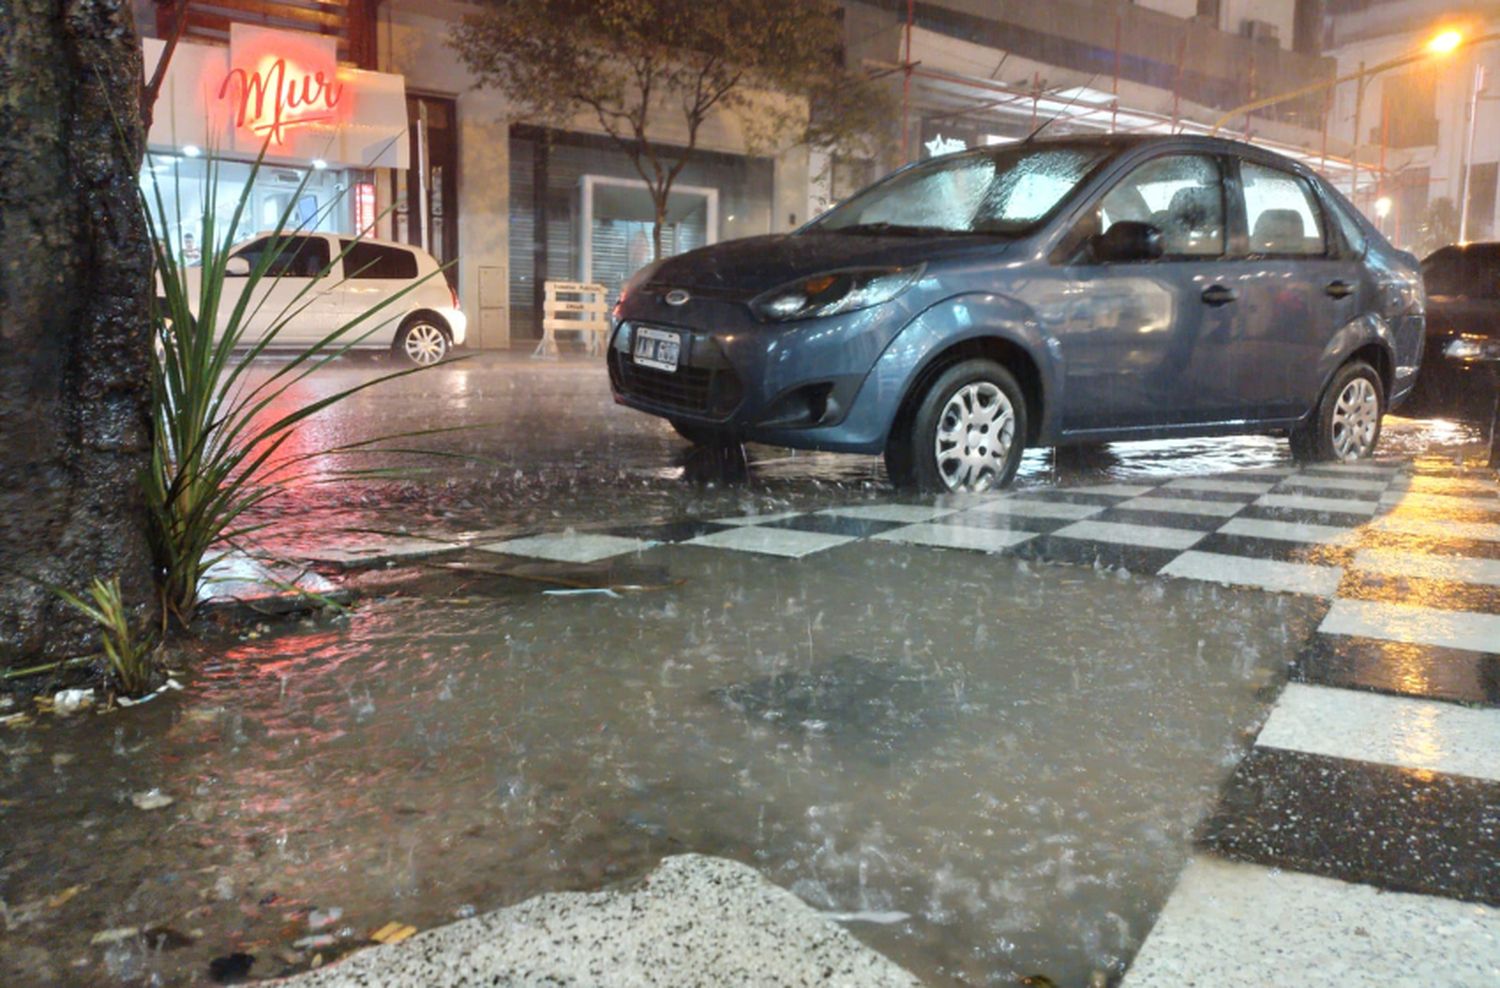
x=152, y=89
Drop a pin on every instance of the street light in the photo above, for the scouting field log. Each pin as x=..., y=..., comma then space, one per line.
x=1445, y=42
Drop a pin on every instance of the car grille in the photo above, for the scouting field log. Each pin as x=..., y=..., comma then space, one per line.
x=712, y=392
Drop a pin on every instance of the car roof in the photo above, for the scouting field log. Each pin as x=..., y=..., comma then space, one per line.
x=1127, y=142
x=341, y=236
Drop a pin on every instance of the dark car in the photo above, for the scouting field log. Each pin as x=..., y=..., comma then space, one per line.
x=1463, y=332
x=1055, y=292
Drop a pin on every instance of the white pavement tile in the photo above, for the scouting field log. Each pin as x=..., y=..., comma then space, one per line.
x=770, y=541
x=1390, y=730
x=1413, y=624
x=1438, y=503
x=1182, y=506
x=957, y=537
x=1304, y=480
x=890, y=512
x=1223, y=486
x=758, y=519
x=1038, y=509
x=1146, y=536
x=1426, y=565
x=1440, y=529
x=568, y=547
x=1232, y=925
x=1304, y=502
x=1111, y=490
x=1266, y=574
x=1286, y=531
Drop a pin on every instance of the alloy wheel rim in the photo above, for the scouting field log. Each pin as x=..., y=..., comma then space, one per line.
x=424, y=344
x=974, y=437
x=1356, y=416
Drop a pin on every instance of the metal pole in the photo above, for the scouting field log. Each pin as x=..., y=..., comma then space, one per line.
x=1115, y=88
x=1463, y=171
x=911, y=14
x=1327, y=115
x=1359, y=107
x=1177, y=81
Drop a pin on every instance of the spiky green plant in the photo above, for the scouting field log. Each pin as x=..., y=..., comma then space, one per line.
x=129, y=651
x=217, y=432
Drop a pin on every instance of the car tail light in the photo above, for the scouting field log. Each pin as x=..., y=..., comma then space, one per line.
x=453, y=294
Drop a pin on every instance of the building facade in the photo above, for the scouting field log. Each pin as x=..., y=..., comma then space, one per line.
x=1428, y=130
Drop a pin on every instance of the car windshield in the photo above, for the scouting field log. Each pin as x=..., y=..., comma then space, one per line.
x=986, y=192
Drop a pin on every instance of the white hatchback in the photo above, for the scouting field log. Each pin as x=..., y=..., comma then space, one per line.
x=320, y=282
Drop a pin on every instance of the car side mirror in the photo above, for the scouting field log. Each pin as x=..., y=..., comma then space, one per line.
x=1127, y=240
x=237, y=267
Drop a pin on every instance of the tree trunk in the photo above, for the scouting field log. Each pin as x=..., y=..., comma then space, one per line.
x=660, y=202
x=75, y=364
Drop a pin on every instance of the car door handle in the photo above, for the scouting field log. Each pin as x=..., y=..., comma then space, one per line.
x=1339, y=289
x=1219, y=295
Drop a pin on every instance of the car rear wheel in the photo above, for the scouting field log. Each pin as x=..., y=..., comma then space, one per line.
x=1346, y=424
x=421, y=342
x=967, y=434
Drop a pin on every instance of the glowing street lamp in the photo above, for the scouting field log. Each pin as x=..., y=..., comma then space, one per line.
x=1383, y=207
x=1445, y=42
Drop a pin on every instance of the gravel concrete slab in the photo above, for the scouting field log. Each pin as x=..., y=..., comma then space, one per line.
x=695, y=920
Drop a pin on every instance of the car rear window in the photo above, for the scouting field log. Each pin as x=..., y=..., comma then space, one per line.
x=362, y=260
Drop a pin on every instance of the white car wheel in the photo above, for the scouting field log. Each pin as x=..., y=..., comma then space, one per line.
x=422, y=343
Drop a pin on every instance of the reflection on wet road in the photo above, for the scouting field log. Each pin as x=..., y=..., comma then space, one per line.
x=1001, y=759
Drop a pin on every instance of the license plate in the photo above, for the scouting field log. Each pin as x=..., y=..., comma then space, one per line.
x=657, y=348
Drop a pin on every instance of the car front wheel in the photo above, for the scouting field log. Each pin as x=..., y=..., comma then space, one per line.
x=700, y=435
x=422, y=343
x=1346, y=424
x=967, y=434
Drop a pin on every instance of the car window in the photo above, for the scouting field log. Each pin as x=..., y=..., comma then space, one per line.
x=299, y=257
x=1182, y=195
x=993, y=192
x=1469, y=272
x=1280, y=212
x=362, y=260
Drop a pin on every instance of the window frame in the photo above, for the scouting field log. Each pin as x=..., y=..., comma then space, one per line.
x=1309, y=188
x=1072, y=248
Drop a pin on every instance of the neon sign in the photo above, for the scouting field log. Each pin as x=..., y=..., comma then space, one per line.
x=292, y=103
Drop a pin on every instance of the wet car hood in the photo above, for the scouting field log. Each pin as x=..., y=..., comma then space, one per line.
x=756, y=264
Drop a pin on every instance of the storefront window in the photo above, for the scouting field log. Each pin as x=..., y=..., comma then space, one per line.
x=321, y=202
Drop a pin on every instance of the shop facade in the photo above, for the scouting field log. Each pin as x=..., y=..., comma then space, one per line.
x=524, y=203
x=326, y=129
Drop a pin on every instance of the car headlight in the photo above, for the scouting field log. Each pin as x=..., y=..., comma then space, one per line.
x=1472, y=348
x=834, y=292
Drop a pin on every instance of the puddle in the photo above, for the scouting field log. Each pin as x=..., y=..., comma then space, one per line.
x=1013, y=758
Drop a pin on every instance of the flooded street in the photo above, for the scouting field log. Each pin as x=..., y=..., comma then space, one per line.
x=988, y=767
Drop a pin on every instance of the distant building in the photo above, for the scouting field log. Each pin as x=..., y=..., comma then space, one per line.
x=1429, y=130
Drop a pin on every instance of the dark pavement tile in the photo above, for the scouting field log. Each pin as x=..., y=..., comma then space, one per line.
x=1398, y=829
x=1424, y=671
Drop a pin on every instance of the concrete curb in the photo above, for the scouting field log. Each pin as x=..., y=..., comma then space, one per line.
x=695, y=920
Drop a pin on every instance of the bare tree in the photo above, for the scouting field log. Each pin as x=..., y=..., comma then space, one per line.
x=632, y=63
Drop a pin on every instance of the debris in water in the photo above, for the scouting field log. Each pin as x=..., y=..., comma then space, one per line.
x=320, y=918
x=151, y=799
x=230, y=968
x=115, y=936
x=66, y=702
x=882, y=917
x=60, y=899
x=465, y=911
x=587, y=592
x=393, y=932
x=315, y=942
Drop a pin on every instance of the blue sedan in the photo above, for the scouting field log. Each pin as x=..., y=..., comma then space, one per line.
x=1078, y=290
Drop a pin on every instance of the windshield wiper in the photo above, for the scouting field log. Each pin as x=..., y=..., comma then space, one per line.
x=904, y=230
x=890, y=230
